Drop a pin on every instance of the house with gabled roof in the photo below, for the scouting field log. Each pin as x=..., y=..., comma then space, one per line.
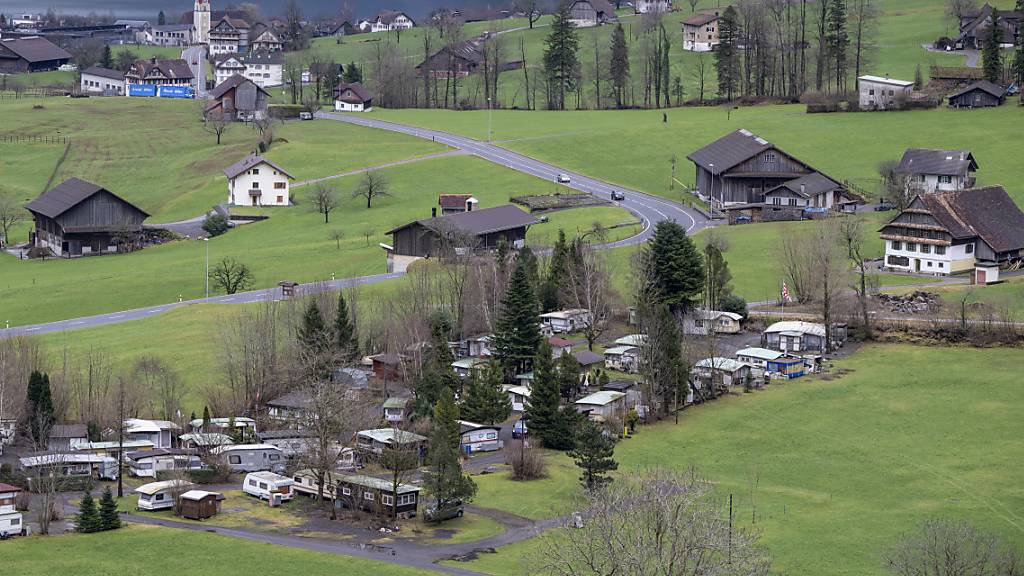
x=263, y=38
x=171, y=72
x=79, y=218
x=928, y=171
x=256, y=181
x=952, y=231
x=975, y=26
x=981, y=94
x=352, y=97
x=30, y=54
x=700, y=32
x=238, y=98
x=102, y=81
x=814, y=190
x=587, y=13
x=391, y=20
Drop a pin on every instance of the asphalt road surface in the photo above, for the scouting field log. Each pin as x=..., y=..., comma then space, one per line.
x=196, y=58
x=650, y=209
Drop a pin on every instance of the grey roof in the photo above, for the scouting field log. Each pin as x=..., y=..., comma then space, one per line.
x=983, y=85
x=264, y=57
x=69, y=431
x=941, y=162
x=388, y=16
x=104, y=73
x=35, y=49
x=987, y=213
x=810, y=185
x=234, y=81
x=619, y=385
x=172, y=27
x=586, y=357
x=279, y=434
x=67, y=195
x=247, y=163
x=602, y=7
x=351, y=377
x=729, y=150
x=296, y=399
x=358, y=89
x=174, y=68
x=700, y=19
x=479, y=222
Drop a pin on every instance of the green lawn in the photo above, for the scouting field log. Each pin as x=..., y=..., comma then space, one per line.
x=144, y=552
x=580, y=222
x=1006, y=298
x=546, y=497
x=910, y=433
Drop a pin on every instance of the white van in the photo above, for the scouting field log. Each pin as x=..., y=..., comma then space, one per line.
x=264, y=485
x=160, y=495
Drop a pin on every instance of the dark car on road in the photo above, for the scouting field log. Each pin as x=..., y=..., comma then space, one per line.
x=884, y=207
x=444, y=510
x=618, y=196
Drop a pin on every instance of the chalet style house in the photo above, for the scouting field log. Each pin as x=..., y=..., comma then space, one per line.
x=953, y=231
x=975, y=24
x=700, y=32
x=352, y=98
x=587, y=13
x=77, y=218
x=460, y=60
x=238, y=98
x=391, y=20
x=928, y=171
x=256, y=181
x=174, y=72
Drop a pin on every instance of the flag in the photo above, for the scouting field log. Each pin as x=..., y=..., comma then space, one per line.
x=785, y=293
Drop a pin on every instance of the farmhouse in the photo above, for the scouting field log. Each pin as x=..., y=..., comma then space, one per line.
x=352, y=98
x=161, y=433
x=622, y=358
x=226, y=36
x=375, y=441
x=700, y=32
x=478, y=437
x=358, y=491
x=250, y=178
x=148, y=463
x=562, y=321
x=981, y=94
x=238, y=98
x=951, y=231
x=804, y=337
x=10, y=519
x=78, y=218
x=928, y=171
x=648, y=6
x=741, y=166
x=438, y=236
x=603, y=406
x=264, y=68
x=388, y=20
x=456, y=60
x=102, y=81
x=727, y=371
x=811, y=192
x=878, y=93
x=66, y=436
x=263, y=39
x=975, y=24
x=173, y=72
x=174, y=34
x=704, y=322
x=250, y=457
x=30, y=54
x=587, y=13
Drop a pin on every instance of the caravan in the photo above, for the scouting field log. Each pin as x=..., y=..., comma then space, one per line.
x=251, y=457
x=268, y=486
x=160, y=495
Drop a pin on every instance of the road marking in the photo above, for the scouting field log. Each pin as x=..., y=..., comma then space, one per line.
x=115, y=317
x=31, y=329
x=76, y=323
x=154, y=311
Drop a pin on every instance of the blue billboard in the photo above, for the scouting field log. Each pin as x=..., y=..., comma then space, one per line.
x=177, y=92
x=141, y=90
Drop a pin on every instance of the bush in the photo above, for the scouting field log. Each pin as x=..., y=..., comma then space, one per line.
x=206, y=476
x=284, y=111
x=215, y=224
x=527, y=463
x=735, y=304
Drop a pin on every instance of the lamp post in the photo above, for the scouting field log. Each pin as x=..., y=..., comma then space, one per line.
x=490, y=116
x=206, y=278
x=711, y=194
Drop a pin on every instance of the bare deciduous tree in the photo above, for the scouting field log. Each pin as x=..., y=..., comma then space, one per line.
x=162, y=386
x=231, y=276
x=372, y=187
x=337, y=236
x=896, y=186
x=953, y=548
x=829, y=269
x=216, y=123
x=589, y=288
x=11, y=213
x=324, y=199
x=852, y=237
x=252, y=359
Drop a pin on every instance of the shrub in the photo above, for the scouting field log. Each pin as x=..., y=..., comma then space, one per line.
x=215, y=224
x=283, y=111
x=527, y=463
x=735, y=304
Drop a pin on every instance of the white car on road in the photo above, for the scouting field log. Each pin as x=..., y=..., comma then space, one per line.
x=563, y=179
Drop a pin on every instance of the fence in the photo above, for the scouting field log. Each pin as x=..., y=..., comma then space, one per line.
x=34, y=138
x=32, y=93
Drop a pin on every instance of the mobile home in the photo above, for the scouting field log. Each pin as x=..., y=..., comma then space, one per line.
x=362, y=492
x=160, y=495
x=268, y=485
x=11, y=522
x=479, y=437
x=251, y=457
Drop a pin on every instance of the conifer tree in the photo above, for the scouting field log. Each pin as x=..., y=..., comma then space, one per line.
x=918, y=78
x=485, y=401
x=675, y=268
x=206, y=418
x=446, y=419
x=568, y=374
x=551, y=289
x=619, y=65
x=593, y=454
x=991, y=56
x=727, y=57
x=352, y=74
x=445, y=479
x=717, y=277
x=345, y=339
x=560, y=57
x=838, y=40
x=1018, y=56
x=108, y=58
x=88, y=519
x=554, y=425
x=39, y=407
x=108, y=517
x=313, y=332
x=516, y=332
x=161, y=19
x=436, y=369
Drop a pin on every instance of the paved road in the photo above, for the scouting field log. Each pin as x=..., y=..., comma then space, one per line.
x=196, y=58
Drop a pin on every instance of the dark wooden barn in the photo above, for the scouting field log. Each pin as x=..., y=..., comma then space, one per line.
x=30, y=54
x=78, y=218
x=200, y=505
x=983, y=94
x=482, y=229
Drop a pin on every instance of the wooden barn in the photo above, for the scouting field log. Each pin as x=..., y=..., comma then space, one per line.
x=78, y=218
x=30, y=54
x=200, y=504
x=982, y=94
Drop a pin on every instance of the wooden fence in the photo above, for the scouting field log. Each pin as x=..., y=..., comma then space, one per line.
x=33, y=138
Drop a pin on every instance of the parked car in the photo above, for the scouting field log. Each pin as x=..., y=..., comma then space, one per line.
x=305, y=115
x=563, y=179
x=444, y=511
x=884, y=207
x=743, y=220
x=519, y=429
x=618, y=196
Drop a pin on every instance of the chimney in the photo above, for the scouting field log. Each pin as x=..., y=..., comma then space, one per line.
x=433, y=212
x=469, y=205
x=803, y=190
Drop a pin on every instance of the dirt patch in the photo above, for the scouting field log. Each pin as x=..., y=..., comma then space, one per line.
x=541, y=203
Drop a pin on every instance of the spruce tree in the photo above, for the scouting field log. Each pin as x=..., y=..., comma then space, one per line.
x=560, y=57
x=161, y=19
x=108, y=58
x=727, y=56
x=838, y=40
x=551, y=289
x=545, y=418
x=345, y=339
x=39, y=407
x=675, y=267
x=717, y=277
x=991, y=57
x=1018, y=58
x=313, y=332
x=352, y=74
x=918, y=78
x=568, y=374
x=445, y=479
x=206, y=418
x=446, y=419
x=516, y=332
x=193, y=416
x=485, y=402
x=88, y=518
x=619, y=65
x=593, y=454
x=109, y=519
x=436, y=369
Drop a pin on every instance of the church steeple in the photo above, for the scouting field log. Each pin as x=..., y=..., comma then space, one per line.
x=201, y=21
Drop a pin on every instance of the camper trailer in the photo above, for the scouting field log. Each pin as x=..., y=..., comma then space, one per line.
x=268, y=486
x=160, y=495
x=251, y=457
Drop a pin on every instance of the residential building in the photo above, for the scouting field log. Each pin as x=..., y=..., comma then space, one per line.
x=649, y=6
x=559, y=346
x=519, y=396
x=352, y=98
x=758, y=358
x=30, y=54
x=564, y=321
x=878, y=93
x=603, y=406
x=795, y=336
x=174, y=35
x=792, y=200
x=102, y=81
x=952, y=231
x=78, y=218
x=981, y=94
x=256, y=181
x=377, y=440
x=290, y=407
x=455, y=233
x=173, y=72
x=66, y=436
x=478, y=437
x=622, y=358
x=723, y=371
x=358, y=491
x=263, y=39
x=975, y=26
x=456, y=203
x=456, y=60
x=225, y=37
x=700, y=32
x=704, y=322
x=344, y=29
x=390, y=20
x=8, y=426
x=266, y=69
x=227, y=65
x=587, y=13
x=929, y=171
x=11, y=521
x=238, y=98
x=740, y=167
x=395, y=410
x=161, y=433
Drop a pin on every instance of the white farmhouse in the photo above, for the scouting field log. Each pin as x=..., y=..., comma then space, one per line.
x=883, y=93
x=352, y=98
x=928, y=171
x=256, y=181
x=391, y=20
x=103, y=81
x=649, y=6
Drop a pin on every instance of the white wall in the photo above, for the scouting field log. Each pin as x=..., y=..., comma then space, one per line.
x=265, y=181
x=884, y=96
x=265, y=75
x=955, y=259
x=929, y=183
x=99, y=84
x=346, y=107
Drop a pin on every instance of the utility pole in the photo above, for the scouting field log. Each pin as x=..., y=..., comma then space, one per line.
x=490, y=115
x=206, y=277
x=120, y=438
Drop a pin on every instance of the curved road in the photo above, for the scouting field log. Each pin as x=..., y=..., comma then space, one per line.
x=650, y=209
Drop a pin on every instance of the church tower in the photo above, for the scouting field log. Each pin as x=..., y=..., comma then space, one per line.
x=201, y=21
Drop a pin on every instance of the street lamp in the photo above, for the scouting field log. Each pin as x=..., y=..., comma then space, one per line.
x=206, y=278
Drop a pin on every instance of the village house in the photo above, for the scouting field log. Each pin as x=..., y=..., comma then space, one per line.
x=265, y=69
x=377, y=440
x=564, y=321
x=700, y=32
x=981, y=94
x=11, y=521
x=8, y=427
x=456, y=203
x=388, y=20
x=30, y=54
x=975, y=26
x=603, y=406
x=290, y=407
x=929, y=171
x=263, y=39
x=952, y=231
x=813, y=192
x=652, y=6
x=588, y=13
x=238, y=98
x=226, y=37
x=704, y=322
x=149, y=463
x=456, y=60
x=102, y=81
x=478, y=438
x=250, y=178
x=174, y=35
x=395, y=410
x=250, y=457
x=724, y=371
x=358, y=491
x=795, y=336
x=622, y=358
x=878, y=93
x=225, y=66
x=66, y=436
x=78, y=218
x=740, y=167
x=345, y=28
x=439, y=236
x=352, y=98
x=173, y=72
